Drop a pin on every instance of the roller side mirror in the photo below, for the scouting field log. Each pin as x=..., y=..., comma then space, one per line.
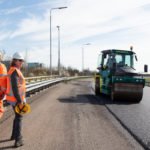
x=145, y=68
x=136, y=58
x=99, y=68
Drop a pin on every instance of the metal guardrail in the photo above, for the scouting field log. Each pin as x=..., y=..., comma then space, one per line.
x=36, y=87
x=147, y=80
x=39, y=78
x=147, y=83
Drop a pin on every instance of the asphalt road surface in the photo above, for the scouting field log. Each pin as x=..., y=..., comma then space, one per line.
x=69, y=116
x=135, y=117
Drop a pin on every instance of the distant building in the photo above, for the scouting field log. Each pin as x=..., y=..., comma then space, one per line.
x=35, y=65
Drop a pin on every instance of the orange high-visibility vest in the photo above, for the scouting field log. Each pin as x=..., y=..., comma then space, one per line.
x=21, y=85
x=3, y=78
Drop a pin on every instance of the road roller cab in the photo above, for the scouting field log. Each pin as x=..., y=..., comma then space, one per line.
x=117, y=76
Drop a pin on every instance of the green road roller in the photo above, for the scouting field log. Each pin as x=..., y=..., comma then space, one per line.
x=117, y=76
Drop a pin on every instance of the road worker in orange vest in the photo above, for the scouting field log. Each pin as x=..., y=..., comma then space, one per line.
x=3, y=83
x=15, y=95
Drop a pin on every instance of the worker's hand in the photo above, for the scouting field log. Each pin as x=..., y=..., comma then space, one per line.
x=20, y=103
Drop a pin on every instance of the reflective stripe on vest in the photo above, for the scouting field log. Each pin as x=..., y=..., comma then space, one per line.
x=21, y=85
x=3, y=75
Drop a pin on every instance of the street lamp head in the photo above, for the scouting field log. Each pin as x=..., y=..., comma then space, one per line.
x=58, y=27
x=87, y=44
x=62, y=7
x=57, y=8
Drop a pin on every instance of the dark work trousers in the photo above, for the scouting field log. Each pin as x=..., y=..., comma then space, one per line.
x=17, y=126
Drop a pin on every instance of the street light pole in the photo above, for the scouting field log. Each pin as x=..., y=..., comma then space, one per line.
x=82, y=58
x=58, y=27
x=50, y=45
x=51, y=36
x=83, y=55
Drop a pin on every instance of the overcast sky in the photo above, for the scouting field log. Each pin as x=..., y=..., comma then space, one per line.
x=106, y=24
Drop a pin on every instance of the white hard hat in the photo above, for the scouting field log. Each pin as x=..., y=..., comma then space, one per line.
x=18, y=56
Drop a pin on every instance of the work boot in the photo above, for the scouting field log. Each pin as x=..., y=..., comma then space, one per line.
x=18, y=143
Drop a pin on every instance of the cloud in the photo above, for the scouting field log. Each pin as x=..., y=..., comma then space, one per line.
x=11, y=11
x=105, y=18
x=2, y=1
x=37, y=54
x=4, y=35
x=69, y=20
x=29, y=25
